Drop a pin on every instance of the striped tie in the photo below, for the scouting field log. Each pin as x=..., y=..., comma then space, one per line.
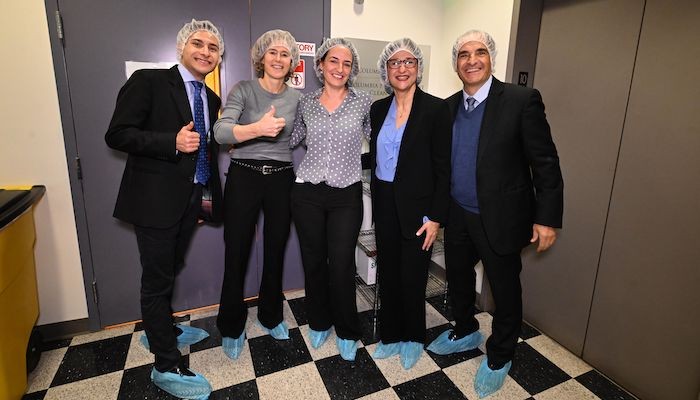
x=470, y=104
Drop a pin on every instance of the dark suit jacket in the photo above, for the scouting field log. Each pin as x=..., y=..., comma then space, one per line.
x=517, y=169
x=422, y=179
x=152, y=107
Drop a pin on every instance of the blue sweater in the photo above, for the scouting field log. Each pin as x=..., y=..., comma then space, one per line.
x=465, y=144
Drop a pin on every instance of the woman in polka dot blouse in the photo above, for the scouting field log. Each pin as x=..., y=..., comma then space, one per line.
x=327, y=196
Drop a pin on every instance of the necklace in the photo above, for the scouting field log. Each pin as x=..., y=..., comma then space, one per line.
x=404, y=102
x=401, y=111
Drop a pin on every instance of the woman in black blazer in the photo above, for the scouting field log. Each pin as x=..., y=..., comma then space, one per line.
x=410, y=161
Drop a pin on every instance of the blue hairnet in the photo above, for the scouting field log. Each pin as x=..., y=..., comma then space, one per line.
x=191, y=28
x=329, y=44
x=475, y=36
x=275, y=37
x=393, y=48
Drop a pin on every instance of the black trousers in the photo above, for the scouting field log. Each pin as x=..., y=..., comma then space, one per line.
x=162, y=254
x=328, y=221
x=403, y=272
x=246, y=193
x=465, y=244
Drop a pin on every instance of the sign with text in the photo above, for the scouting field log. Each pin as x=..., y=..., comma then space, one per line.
x=368, y=78
x=306, y=49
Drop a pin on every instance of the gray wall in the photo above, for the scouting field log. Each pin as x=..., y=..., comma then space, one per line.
x=620, y=287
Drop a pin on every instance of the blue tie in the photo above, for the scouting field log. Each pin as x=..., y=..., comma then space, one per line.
x=470, y=104
x=202, y=173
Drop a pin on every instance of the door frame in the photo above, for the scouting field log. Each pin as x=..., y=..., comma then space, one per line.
x=71, y=147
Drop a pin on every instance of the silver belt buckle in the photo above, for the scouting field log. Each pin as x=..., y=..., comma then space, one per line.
x=266, y=169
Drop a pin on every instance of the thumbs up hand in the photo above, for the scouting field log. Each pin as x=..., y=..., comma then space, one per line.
x=269, y=125
x=187, y=140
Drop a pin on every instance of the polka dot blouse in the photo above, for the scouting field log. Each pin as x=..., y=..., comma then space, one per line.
x=333, y=140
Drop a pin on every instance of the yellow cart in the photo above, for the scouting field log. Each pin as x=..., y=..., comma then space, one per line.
x=19, y=303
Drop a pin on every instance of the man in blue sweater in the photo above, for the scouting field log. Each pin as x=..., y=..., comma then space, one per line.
x=507, y=192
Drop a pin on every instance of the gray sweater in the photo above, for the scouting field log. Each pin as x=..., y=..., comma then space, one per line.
x=247, y=103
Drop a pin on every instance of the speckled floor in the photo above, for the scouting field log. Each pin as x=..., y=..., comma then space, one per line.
x=112, y=364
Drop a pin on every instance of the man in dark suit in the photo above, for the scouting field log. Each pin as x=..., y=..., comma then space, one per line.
x=159, y=120
x=507, y=192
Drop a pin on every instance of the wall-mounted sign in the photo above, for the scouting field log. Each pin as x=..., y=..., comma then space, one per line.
x=522, y=79
x=298, y=80
x=306, y=49
x=131, y=66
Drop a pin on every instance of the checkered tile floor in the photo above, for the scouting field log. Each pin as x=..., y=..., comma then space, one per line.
x=112, y=364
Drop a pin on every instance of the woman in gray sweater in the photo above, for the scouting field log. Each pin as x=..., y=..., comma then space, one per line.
x=257, y=121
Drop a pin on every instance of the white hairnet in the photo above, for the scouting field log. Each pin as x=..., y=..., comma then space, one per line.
x=393, y=48
x=475, y=36
x=275, y=37
x=191, y=28
x=329, y=44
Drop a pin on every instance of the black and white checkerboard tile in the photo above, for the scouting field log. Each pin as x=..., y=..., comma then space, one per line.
x=112, y=364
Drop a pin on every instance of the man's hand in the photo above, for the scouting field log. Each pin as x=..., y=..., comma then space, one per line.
x=269, y=125
x=545, y=234
x=187, y=140
x=431, y=230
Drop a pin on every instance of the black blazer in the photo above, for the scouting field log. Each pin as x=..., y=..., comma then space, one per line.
x=151, y=108
x=516, y=154
x=422, y=179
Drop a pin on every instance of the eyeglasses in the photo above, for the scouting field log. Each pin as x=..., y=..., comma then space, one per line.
x=396, y=64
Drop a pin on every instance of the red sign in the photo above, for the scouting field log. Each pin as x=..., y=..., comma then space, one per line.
x=300, y=67
x=298, y=77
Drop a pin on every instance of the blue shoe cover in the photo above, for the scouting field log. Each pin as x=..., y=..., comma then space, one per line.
x=189, y=335
x=347, y=347
x=233, y=346
x=280, y=332
x=444, y=345
x=410, y=353
x=181, y=385
x=488, y=381
x=317, y=338
x=144, y=341
x=386, y=350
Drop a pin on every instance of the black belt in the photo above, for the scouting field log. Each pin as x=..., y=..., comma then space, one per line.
x=263, y=169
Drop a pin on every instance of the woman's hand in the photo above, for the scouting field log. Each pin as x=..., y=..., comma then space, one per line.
x=269, y=125
x=431, y=230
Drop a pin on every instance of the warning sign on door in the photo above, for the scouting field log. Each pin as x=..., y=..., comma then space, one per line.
x=298, y=79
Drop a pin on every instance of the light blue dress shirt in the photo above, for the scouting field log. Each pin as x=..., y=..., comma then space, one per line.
x=388, y=145
x=480, y=94
x=187, y=77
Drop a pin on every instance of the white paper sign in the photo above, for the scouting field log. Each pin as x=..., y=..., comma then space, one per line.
x=306, y=49
x=133, y=66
